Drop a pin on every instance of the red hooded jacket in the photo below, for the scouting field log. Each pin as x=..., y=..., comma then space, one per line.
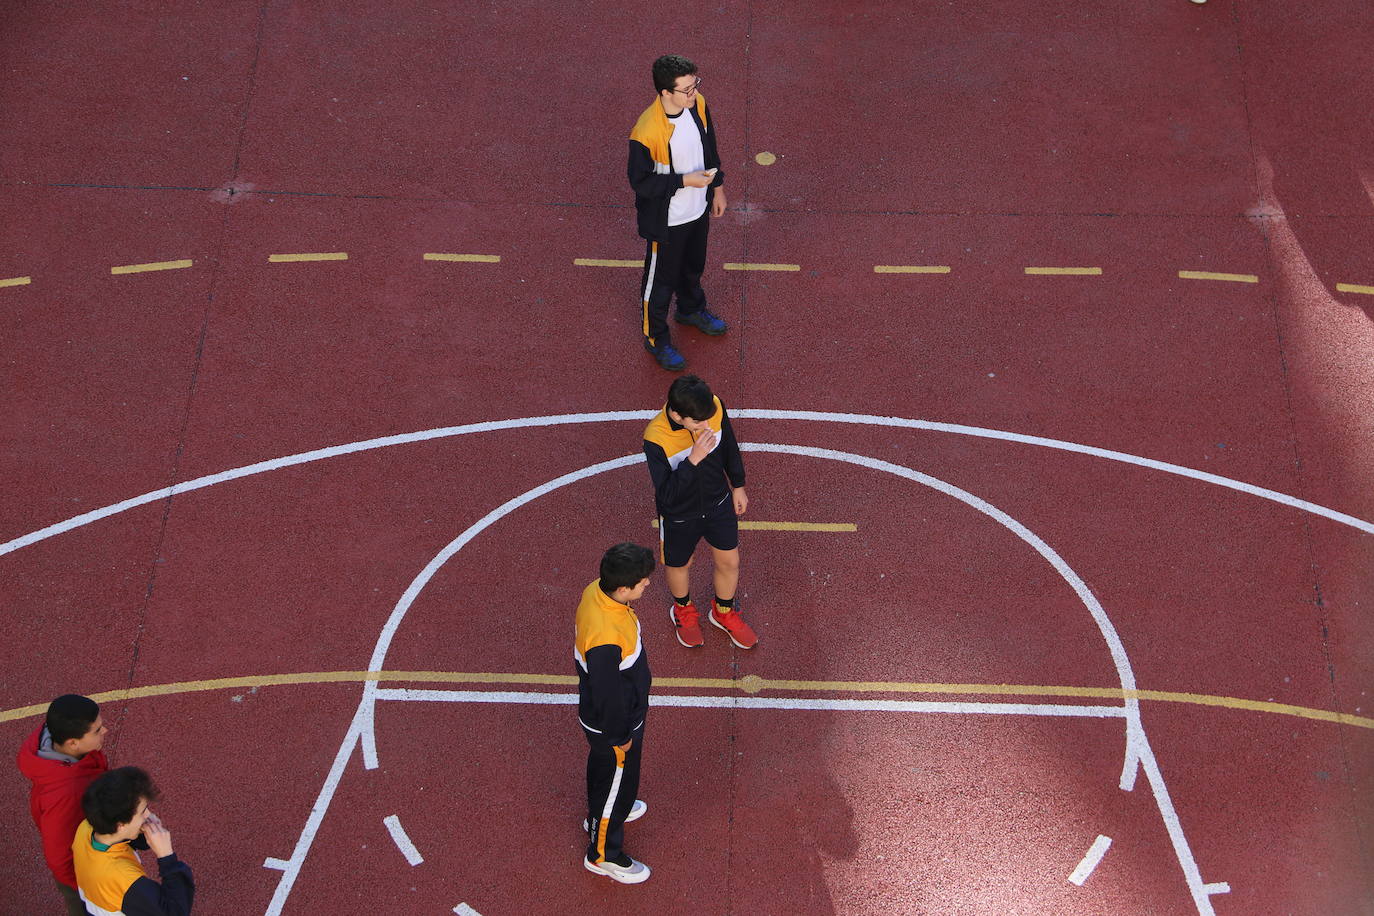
x=55, y=800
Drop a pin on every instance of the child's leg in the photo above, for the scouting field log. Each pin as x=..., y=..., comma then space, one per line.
x=678, y=578
x=726, y=572
x=724, y=614
x=605, y=771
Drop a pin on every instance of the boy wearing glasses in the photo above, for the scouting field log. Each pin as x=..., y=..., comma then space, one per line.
x=675, y=172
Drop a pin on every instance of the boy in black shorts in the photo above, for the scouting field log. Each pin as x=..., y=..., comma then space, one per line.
x=698, y=475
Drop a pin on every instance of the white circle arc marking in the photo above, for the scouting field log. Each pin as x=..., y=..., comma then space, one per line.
x=364, y=445
x=1138, y=750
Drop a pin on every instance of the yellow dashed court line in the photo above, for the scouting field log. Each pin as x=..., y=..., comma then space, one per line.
x=605, y=262
x=308, y=256
x=1208, y=275
x=1064, y=271
x=1340, y=288
x=909, y=269
x=17, y=281
x=746, y=266
x=791, y=526
x=465, y=258
x=155, y=265
x=751, y=683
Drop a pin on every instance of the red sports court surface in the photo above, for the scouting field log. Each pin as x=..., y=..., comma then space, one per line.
x=1051, y=349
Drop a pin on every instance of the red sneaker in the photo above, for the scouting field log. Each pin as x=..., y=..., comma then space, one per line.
x=684, y=618
x=740, y=633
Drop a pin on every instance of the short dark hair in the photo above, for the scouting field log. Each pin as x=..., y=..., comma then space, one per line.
x=70, y=716
x=668, y=68
x=113, y=798
x=624, y=565
x=691, y=397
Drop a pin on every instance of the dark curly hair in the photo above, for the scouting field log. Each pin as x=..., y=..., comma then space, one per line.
x=668, y=68
x=113, y=798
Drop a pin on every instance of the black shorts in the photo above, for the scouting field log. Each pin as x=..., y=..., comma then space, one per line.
x=678, y=536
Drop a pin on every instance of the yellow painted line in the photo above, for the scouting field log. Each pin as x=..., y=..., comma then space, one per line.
x=1064, y=271
x=308, y=256
x=790, y=526
x=748, y=266
x=1208, y=275
x=155, y=265
x=751, y=683
x=305, y=677
x=17, y=281
x=1340, y=288
x=604, y=262
x=909, y=269
x=465, y=258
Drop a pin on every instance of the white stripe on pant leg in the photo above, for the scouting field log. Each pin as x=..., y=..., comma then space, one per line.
x=649, y=285
x=653, y=265
x=603, y=828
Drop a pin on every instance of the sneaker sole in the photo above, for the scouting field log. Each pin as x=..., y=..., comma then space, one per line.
x=592, y=867
x=677, y=631
x=721, y=627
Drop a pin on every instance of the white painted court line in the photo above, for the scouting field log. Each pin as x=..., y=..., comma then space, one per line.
x=427, y=435
x=402, y=840
x=420, y=581
x=1090, y=859
x=536, y=698
x=361, y=731
x=463, y=909
x=275, y=863
x=1196, y=886
x=1138, y=751
x=312, y=823
x=1062, y=445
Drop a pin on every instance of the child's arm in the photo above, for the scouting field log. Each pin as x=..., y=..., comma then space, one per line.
x=644, y=179
x=734, y=461
x=173, y=897
x=671, y=487
x=604, y=681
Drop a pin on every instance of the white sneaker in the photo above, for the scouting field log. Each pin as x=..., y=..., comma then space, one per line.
x=636, y=812
x=636, y=873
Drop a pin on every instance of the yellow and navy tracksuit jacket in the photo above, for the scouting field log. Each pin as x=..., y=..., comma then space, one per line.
x=651, y=165
x=111, y=881
x=681, y=489
x=613, y=675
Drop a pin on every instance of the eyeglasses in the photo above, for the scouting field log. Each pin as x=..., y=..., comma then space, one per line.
x=690, y=90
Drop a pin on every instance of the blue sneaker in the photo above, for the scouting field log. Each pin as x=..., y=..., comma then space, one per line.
x=667, y=356
x=704, y=321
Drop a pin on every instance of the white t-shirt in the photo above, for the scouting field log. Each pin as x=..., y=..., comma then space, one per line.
x=688, y=156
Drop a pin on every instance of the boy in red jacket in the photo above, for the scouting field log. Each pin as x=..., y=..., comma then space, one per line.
x=61, y=758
